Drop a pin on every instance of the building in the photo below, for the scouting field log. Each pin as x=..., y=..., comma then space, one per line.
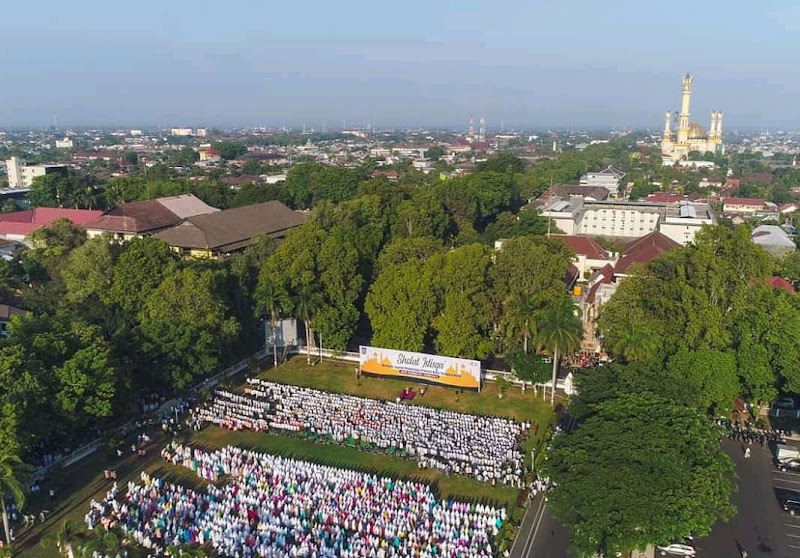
x=65, y=143
x=620, y=219
x=21, y=174
x=773, y=239
x=589, y=255
x=569, y=191
x=181, y=132
x=17, y=225
x=145, y=218
x=6, y=313
x=607, y=178
x=732, y=205
x=690, y=135
x=210, y=155
x=218, y=234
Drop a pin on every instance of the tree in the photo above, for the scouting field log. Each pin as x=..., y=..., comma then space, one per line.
x=560, y=331
x=504, y=161
x=271, y=297
x=13, y=476
x=434, y=153
x=307, y=302
x=401, y=305
x=522, y=315
x=8, y=206
x=712, y=372
x=187, y=321
x=69, y=538
x=230, y=150
x=140, y=268
x=639, y=448
x=89, y=269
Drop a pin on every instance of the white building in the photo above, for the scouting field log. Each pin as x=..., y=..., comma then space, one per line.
x=65, y=143
x=21, y=174
x=679, y=222
x=183, y=132
x=607, y=178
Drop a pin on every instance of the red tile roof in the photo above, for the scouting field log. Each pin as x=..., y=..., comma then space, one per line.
x=603, y=277
x=665, y=198
x=22, y=223
x=584, y=246
x=755, y=202
x=135, y=217
x=644, y=250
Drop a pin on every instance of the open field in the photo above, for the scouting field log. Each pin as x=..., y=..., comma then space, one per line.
x=76, y=486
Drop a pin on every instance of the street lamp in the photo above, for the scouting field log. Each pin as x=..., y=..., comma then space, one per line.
x=533, y=460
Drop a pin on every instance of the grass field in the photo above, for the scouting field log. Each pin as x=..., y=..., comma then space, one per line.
x=76, y=486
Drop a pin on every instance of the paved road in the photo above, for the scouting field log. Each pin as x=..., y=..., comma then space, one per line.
x=540, y=535
x=761, y=527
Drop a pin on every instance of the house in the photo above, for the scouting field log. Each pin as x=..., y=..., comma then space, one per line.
x=17, y=225
x=643, y=251
x=762, y=177
x=210, y=155
x=662, y=197
x=589, y=255
x=742, y=205
x=607, y=178
x=773, y=239
x=144, y=218
x=218, y=234
x=7, y=312
x=788, y=208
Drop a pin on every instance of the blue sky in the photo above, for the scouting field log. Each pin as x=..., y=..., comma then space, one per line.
x=535, y=63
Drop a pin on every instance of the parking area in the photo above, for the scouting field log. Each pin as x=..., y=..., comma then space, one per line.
x=761, y=526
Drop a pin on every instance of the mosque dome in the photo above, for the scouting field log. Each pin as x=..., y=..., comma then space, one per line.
x=696, y=131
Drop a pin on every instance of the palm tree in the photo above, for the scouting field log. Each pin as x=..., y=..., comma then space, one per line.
x=634, y=343
x=69, y=538
x=560, y=331
x=13, y=474
x=521, y=314
x=307, y=301
x=274, y=299
x=103, y=542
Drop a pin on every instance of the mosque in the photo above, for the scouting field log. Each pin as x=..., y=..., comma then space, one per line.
x=691, y=136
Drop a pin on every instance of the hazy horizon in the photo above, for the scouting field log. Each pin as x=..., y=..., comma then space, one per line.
x=532, y=65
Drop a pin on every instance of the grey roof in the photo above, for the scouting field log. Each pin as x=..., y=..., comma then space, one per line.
x=232, y=229
x=186, y=205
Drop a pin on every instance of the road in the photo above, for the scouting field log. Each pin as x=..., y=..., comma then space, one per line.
x=761, y=527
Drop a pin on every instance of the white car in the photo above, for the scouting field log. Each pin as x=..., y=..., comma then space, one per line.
x=677, y=550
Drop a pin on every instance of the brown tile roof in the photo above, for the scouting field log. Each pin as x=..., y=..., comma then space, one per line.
x=644, y=250
x=232, y=229
x=564, y=191
x=150, y=215
x=7, y=312
x=757, y=177
x=584, y=246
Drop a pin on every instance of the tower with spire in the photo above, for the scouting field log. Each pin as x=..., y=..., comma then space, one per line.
x=690, y=136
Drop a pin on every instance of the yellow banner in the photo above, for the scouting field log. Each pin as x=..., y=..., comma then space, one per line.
x=449, y=371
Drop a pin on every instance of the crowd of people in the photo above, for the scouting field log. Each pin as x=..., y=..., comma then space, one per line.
x=486, y=448
x=275, y=506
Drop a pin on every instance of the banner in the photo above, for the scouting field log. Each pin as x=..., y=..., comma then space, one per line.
x=448, y=371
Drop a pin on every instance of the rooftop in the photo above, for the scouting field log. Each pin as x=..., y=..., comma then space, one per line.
x=644, y=250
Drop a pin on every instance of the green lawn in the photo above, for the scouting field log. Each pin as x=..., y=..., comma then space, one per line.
x=339, y=377
x=76, y=486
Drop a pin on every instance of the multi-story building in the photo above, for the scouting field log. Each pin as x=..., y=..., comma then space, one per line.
x=619, y=219
x=607, y=178
x=21, y=174
x=65, y=143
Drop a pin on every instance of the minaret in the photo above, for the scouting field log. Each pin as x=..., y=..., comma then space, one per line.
x=718, y=136
x=482, y=130
x=712, y=129
x=686, y=98
x=668, y=127
x=471, y=132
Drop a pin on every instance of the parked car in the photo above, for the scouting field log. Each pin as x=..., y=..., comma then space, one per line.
x=789, y=465
x=677, y=550
x=785, y=402
x=792, y=507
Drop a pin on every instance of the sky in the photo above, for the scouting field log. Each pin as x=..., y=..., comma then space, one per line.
x=518, y=63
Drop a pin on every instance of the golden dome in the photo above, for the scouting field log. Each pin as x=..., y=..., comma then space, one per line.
x=696, y=131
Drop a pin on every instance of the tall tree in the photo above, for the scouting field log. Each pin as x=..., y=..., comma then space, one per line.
x=186, y=320
x=13, y=476
x=307, y=302
x=272, y=298
x=625, y=454
x=560, y=331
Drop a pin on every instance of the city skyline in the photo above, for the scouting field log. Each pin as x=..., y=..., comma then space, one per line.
x=541, y=65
